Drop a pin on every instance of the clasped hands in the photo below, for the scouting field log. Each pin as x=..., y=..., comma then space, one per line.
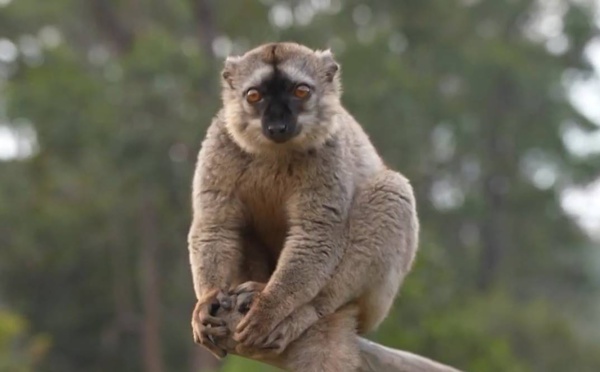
x=242, y=320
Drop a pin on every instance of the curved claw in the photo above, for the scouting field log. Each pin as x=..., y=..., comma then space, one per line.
x=255, y=327
x=206, y=326
x=275, y=343
x=279, y=338
x=204, y=335
x=248, y=330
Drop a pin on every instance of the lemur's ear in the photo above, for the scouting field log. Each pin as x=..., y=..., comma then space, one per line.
x=329, y=66
x=229, y=68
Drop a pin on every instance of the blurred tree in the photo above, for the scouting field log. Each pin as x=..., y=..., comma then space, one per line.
x=469, y=101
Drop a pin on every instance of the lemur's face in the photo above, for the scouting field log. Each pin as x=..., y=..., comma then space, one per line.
x=280, y=95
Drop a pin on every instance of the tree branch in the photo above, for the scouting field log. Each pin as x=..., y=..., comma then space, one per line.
x=379, y=358
x=374, y=357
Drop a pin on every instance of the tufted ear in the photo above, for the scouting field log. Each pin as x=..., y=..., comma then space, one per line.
x=229, y=68
x=328, y=64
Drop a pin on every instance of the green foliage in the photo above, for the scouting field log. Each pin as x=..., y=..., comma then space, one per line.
x=492, y=331
x=235, y=364
x=461, y=98
x=19, y=353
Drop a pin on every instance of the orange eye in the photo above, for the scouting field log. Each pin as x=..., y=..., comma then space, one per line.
x=302, y=91
x=253, y=96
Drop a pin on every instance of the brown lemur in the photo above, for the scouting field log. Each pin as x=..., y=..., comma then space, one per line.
x=292, y=201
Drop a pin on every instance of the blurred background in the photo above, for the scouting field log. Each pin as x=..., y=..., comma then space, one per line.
x=490, y=107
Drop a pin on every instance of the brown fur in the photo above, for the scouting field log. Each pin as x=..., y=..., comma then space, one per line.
x=320, y=216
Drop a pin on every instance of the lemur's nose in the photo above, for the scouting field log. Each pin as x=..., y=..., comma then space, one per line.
x=278, y=128
x=279, y=132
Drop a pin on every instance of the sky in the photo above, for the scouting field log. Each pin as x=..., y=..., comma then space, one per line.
x=583, y=204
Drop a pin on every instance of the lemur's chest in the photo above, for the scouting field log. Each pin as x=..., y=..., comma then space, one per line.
x=265, y=190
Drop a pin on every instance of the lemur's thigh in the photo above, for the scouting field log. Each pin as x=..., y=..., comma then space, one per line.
x=381, y=242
